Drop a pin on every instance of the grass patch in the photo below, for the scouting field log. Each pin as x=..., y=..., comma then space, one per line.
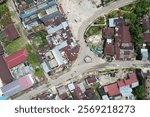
x=5, y=17
x=14, y=46
x=39, y=73
x=93, y=30
x=100, y=20
x=33, y=58
x=94, y=87
x=128, y=8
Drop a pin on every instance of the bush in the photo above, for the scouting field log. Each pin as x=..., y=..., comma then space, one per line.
x=39, y=73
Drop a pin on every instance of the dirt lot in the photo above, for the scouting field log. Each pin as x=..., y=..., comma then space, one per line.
x=77, y=12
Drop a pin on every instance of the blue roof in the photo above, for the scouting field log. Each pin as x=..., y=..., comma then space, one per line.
x=25, y=15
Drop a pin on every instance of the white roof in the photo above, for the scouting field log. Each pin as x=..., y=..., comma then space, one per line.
x=62, y=45
x=126, y=91
x=112, y=22
x=82, y=87
x=45, y=67
x=71, y=86
x=58, y=56
x=105, y=97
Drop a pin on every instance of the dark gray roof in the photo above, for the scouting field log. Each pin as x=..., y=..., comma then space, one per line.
x=101, y=91
x=48, y=17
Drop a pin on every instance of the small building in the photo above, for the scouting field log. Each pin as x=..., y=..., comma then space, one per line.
x=16, y=58
x=76, y=91
x=109, y=48
x=90, y=94
x=108, y=33
x=17, y=86
x=11, y=32
x=144, y=53
x=90, y=80
x=132, y=80
x=146, y=37
x=112, y=23
x=146, y=22
x=62, y=92
x=113, y=91
x=5, y=74
x=102, y=93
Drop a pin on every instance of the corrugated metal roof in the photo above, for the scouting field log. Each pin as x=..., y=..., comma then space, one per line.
x=57, y=56
x=25, y=15
x=17, y=86
x=45, y=67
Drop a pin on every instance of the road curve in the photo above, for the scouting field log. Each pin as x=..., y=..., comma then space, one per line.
x=80, y=68
x=105, y=10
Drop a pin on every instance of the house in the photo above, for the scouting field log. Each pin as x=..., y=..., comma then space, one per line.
x=108, y=33
x=90, y=80
x=113, y=91
x=16, y=58
x=132, y=80
x=109, y=48
x=5, y=74
x=102, y=93
x=76, y=91
x=146, y=22
x=125, y=90
x=90, y=94
x=124, y=49
x=116, y=22
x=63, y=92
x=111, y=22
x=11, y=32
x=146, y=37
x=144, y=53
x=17, y=86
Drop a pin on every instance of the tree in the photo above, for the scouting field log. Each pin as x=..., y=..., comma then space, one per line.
x=139, y=92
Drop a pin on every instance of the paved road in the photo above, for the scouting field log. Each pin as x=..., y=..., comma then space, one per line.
x=105, y=10
x=79, y=67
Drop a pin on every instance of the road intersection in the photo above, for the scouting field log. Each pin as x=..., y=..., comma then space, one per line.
x=79, y=67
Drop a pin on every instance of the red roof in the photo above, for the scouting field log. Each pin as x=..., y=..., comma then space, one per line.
x=109, y=49
x=112, y=90
x=11, y=32
x=146, y=37
x=16, y=58
x=91, y=80
x=108, y=32
x=132, y=79
x=25, y=82
x=121, y=83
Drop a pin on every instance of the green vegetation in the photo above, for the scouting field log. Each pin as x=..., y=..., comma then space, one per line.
x=93, y=30
x=39, y=73
x=139, y=92
x=5, y=17
x=39, y=39
x=14, y=46
x=141, y=7
x=94, y=87
x=33, y=58
x=108, y=71
x=100, y=20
